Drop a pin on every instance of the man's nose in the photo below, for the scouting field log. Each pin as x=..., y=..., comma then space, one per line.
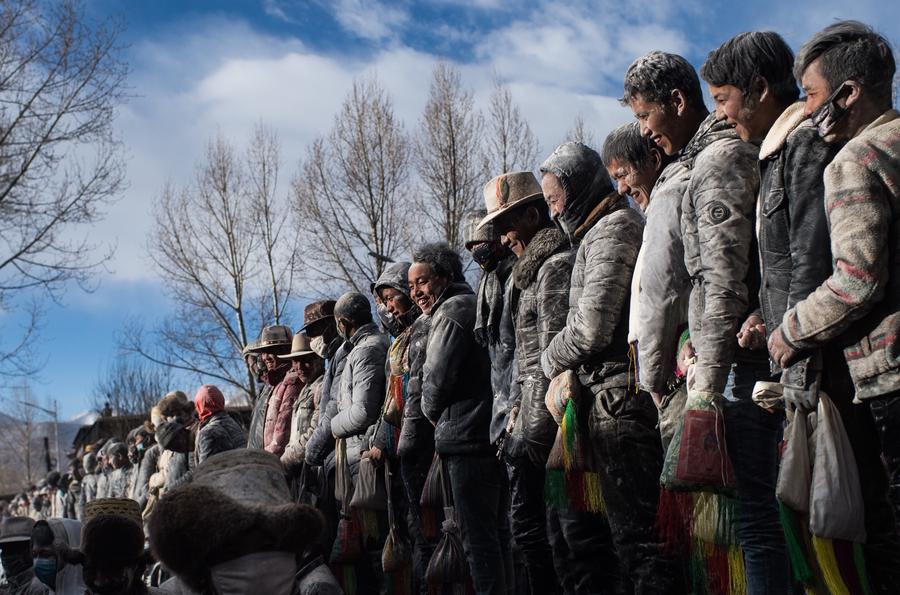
x=622, y=187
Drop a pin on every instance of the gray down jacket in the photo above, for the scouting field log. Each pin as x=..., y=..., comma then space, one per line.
x=218, y=433
x=717, y=225
x=456, y=384
x=608, y=234
x=361, y=390
x=416, y=432
x=542, y=277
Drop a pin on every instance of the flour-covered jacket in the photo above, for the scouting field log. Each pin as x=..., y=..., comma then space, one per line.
x=362, y=389
x=594, y=341
x=665, y=286
x=321, y=444
x=218, y=433
x=542, y=278
x=304, y=419
x=717, y=225
x=859, y=303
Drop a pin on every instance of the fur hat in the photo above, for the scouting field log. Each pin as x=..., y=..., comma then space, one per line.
x=174, y=404
x=238, y=504
x=112, y=540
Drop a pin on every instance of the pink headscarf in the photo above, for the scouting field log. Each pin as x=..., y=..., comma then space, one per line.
x=208, y=400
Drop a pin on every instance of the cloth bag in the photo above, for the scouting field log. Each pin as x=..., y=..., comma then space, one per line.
x=432, y=491
x=448, y=567
x=396, y=554
x=369, y=492
x=795, y=473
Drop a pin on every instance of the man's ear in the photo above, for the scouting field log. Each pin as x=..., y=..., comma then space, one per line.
x=851, y=96
x=678, y=101
x=760, y=88
x=656, y=159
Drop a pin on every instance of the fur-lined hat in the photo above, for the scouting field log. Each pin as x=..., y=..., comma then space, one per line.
x=238, y=503
x=174, y=404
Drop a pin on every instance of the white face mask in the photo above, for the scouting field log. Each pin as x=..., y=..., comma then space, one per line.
x=318, y=345
x=263, y=572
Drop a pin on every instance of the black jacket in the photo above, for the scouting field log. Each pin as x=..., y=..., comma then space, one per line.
x=456, y=385
x=542, y=277
x=794, y=242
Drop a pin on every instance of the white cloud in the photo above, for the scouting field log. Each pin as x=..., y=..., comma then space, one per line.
x=369, y=19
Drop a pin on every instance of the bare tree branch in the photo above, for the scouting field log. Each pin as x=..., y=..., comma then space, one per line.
x=510, y=145
x=580, y=133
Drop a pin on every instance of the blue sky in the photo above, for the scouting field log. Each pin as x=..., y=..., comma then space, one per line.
x=201, y=68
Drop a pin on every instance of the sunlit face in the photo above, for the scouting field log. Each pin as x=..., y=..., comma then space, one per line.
x=307, y=367
x=733, y=107
x=396, y=302
x=661, y=124
x=554, y=194
x=815, y=87
x=425, y=287
x=269, y=360
x=516, y=228
x=634, y=182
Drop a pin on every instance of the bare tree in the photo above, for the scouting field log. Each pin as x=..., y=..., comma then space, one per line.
x=130, y=385
x=227, y=255
x=352, y=194
x=60, y=163
x=450, y=160
x=18, y=432
x=510, y=145
x=580, y=132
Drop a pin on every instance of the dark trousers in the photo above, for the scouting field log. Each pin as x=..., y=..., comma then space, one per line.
x=583, y=554
x=481, y=498
x=413, y=470
x=629, y=455
x=752, y=436
x=529, y=524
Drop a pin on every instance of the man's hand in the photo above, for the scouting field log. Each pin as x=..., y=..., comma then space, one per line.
x=782, y=353
x=373, y=453
x=685, y=355
x=753, y=333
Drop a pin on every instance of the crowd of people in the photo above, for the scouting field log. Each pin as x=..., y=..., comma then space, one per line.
x=605, y=413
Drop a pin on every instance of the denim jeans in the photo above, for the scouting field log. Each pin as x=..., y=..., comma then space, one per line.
x=481, y=498
x=752, y=436
x=529, y=523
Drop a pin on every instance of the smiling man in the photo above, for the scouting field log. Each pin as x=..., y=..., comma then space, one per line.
x=720, y=178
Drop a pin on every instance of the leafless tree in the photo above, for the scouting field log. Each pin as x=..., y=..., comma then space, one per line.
x=450, y=160
x=223, y=264
x=352, y=195
x=510, y=145
x=130, y=385
x=61, y=80
x=18, y=432
x=581, y=132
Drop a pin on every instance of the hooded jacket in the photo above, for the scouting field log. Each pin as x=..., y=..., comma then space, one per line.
x=456, y=382
x=594, y=342
x=361, y=391
x=858, y=306
x=720, y=253
x=542, y=277
x=321, y=443
x=69, y=579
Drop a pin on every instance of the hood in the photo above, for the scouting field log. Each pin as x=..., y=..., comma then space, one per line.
x=209, y=400
x=583, y=176
x=395, y=275
x=786, y=123
x=68, y=577
x=545, y=243
x=709, y=132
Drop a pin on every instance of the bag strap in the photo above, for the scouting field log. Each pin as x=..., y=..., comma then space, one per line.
x=387, y=488
x=340, y=459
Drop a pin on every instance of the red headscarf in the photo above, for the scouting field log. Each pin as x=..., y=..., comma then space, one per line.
x=209, y=400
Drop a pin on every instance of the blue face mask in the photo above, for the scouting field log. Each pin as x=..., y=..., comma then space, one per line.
x=45, y=571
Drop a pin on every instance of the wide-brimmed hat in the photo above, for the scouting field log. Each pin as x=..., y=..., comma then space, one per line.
x=300, y=346
x=272, y=337
x=317, y=311
x=508, y=191
x=16, y=529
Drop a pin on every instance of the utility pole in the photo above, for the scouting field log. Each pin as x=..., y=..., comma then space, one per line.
x=55, y=413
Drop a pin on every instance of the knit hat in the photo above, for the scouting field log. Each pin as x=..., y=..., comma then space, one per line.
x=112, y=533
x=208, y=400
x=238, y=504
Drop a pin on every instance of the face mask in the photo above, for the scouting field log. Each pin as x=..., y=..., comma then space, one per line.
x=45, y=571
x=14, y=565
x=318, y=345
x=829, y=114
x=390, y=324
x=489, y=254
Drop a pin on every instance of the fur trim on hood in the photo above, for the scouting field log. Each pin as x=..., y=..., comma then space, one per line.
x=196, y=527
x=545, y=243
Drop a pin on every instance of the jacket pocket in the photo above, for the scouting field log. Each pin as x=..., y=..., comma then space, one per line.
x=775, y=225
